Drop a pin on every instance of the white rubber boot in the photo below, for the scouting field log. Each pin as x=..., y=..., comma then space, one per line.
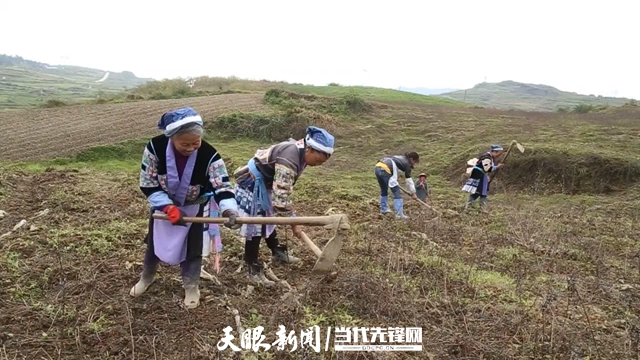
x=191, y=296
x=142, y=285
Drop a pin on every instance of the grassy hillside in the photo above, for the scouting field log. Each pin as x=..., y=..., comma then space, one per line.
x=25, y=83
x=551, y=272
x=530, y=97
x=180, y=88
x=426, y=91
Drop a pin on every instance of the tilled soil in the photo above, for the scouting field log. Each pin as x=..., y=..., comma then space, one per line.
x=30, y=135
x=65, y=278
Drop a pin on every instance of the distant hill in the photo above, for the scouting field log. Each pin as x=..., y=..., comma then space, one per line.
x=426, y=91
x=530, y=97
x=26, y=83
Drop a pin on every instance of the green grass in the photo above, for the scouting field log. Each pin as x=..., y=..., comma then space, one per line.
x=125, y=157
x=371, y=93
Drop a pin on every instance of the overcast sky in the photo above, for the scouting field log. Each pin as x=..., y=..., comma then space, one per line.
x=589, y=47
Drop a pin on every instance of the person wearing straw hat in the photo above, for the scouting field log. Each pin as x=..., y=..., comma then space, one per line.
x=422, y=188
x=180, y=175
x=478, y=183
x=386, y=171
x=264, y=187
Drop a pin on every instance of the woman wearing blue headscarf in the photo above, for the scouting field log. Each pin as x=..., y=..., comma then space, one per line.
x=264, y=186
x=478, y=184
x=180, y=175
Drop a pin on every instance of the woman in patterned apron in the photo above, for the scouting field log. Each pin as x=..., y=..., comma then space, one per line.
x=264, y=186
x=180, y=175
x=478, y=184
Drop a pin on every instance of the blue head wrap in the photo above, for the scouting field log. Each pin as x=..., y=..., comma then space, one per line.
x=496, y=148
x=319, y=139
x=173, y=120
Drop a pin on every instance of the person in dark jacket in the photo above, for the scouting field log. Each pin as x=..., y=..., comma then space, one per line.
x=422, y=188
x=386, y=172
x=478, y=184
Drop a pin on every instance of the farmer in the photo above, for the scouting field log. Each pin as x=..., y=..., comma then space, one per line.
x=478, y=183
x=422, y=188
x=180, y=173
x=386, y=171
x=264, y=186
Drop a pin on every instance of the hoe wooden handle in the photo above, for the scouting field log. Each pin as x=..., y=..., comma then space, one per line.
x=421, y=202
x=316, y=250
x=301, y=220
x=504, y=158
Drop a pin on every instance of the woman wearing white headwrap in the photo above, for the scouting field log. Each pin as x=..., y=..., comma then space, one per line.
x=263, y=188
x=180, y=175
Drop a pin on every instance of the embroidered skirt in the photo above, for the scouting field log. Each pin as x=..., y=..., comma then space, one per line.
x=477, y=185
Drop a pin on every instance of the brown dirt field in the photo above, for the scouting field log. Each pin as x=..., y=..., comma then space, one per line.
x=44, y=133
x=519, y=286
x=83, y=272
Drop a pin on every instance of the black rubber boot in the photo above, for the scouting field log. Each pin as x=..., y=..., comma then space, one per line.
x=280, y=254
x=256, y=274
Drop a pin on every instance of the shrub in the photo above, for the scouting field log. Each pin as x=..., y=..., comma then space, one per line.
x=271, y=127
x=548, y=170
x=353, y=103
x=348, y=104
x=51, y=103
x=582, y=108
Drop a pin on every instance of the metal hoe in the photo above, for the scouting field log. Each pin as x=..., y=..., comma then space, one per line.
x=422, y=202
x=326, y=257
x=520, y=148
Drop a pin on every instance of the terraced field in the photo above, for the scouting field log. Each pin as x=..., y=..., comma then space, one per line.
x=44, y=133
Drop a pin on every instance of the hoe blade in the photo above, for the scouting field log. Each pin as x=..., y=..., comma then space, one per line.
x=330, y=253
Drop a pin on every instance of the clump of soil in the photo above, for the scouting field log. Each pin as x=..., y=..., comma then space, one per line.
x=552, y=171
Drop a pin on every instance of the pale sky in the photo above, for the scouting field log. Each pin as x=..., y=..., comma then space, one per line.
x=589, y=46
